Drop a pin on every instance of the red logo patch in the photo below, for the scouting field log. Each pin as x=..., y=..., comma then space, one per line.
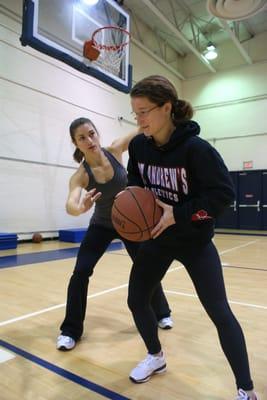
x=200, y=216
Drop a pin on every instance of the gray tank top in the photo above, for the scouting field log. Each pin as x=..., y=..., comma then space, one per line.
x=102, y=211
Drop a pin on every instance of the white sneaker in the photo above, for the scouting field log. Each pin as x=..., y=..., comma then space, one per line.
x=65, y=343
x=242, y=395
x=165, y=323
x=149, y=366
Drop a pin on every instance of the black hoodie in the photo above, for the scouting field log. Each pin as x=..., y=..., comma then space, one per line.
x=187, y=173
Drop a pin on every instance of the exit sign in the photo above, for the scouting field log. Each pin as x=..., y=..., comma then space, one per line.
x=247, y=164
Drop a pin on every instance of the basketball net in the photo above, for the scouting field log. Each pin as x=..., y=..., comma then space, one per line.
x=107, y=48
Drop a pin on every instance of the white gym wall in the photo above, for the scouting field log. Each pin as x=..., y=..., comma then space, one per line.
x=40, y=96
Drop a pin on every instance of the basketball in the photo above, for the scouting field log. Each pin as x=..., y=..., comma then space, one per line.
x=135, y=213
x=37, y=238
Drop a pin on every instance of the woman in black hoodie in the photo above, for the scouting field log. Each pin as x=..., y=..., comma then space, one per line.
x=193, y=187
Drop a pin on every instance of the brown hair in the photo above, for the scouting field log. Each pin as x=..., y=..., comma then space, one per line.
x=160, y=90
x=78, y=155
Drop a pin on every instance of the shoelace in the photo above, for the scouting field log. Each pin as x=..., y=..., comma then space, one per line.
x=66, y=339
x=147, y=360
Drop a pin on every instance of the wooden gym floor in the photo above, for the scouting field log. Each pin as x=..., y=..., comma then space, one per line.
x=33, y=281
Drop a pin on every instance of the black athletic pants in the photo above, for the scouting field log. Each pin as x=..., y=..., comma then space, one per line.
x=204, y=267
x=91, y=250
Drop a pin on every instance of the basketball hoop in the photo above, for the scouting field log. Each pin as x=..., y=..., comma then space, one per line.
x=107, y=48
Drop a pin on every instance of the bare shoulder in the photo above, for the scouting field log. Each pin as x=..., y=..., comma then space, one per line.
x=116, y=152
x=121, y=144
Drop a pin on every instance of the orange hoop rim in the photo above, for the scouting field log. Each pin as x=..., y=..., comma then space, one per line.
x=111, y=47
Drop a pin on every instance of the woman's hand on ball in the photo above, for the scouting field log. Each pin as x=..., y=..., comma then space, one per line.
x=166, y=220
x=88, y=200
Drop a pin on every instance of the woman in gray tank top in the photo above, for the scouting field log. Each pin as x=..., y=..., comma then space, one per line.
x=102, y=175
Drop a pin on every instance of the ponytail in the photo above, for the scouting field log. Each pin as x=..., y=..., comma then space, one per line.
x=78, y=155
x=181, y=111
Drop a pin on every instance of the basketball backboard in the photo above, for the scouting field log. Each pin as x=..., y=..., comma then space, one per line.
x=59, y=28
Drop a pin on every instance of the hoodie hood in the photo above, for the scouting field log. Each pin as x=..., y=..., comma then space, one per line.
x=182, y=132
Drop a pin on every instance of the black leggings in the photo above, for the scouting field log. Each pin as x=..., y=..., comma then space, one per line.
x=204, y=267
x=91, y=250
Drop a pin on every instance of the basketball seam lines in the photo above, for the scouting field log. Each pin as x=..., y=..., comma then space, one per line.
x=125, y=216
x=140, y=209
x=155, y=206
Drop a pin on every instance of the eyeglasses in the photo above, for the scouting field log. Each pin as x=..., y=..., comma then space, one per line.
x=144, y=113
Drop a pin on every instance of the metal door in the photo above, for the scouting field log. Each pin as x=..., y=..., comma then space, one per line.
x=264, y=199
x=249, y=199
x=229, y=219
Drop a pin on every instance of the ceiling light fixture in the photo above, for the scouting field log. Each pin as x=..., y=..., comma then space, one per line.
x=211, y=52
x=90, y=2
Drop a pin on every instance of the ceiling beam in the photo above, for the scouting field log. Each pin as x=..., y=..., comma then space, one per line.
x=158, y=59
x=178, y=34
x=239, y=46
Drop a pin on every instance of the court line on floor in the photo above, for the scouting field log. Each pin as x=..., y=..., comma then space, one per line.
x=69, y=375
x=230, y=301
x=248, y=268
x=19, y=260
x=115, y=252
x=44, y=310
x=26, y=316
x=238, y=247
x=240, y=303
x=94, y=387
